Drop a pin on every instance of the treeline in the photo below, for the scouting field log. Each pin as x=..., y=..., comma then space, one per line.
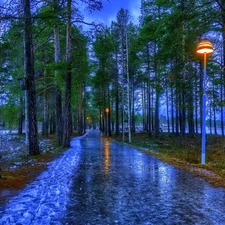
x=45, y=68
x=153, y=67
x=118, y=76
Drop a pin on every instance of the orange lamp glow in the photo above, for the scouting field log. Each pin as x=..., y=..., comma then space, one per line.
x=204, y=46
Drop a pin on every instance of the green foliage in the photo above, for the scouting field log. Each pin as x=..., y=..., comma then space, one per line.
x=103, y=47
x=221, y=103
x=9, y=114
x=160, y=51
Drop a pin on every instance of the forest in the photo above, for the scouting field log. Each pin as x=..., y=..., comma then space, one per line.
x=59, y=73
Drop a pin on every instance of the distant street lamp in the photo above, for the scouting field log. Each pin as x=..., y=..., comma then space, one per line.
x=204, y=47
x=107, y=121
x=88, y=121
x=100, y=123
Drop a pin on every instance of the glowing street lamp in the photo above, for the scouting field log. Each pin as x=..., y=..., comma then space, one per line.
x=204, y=47
x=100, y=122
x=107, y=121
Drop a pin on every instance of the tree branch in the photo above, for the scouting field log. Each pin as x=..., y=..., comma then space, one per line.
x=220, y=4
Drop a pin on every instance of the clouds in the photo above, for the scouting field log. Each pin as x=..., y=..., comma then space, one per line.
x=111, y=8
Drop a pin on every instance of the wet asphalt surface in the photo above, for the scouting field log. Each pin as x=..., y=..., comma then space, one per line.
x=99, y=181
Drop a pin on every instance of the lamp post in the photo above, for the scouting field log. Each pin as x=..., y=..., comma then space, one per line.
x=204, y=47
x=88, y=122
x=107, y=121
x=100, y=123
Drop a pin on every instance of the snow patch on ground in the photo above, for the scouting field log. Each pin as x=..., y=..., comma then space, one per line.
x=44, y=200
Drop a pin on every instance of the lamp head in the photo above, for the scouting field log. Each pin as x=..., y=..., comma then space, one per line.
x=204, y=46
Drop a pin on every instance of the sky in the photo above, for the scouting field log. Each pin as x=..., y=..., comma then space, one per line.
x=111, y=8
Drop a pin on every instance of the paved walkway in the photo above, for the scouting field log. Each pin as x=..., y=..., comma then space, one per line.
x=98, y=181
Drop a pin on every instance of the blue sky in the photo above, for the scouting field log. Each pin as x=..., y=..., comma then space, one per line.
x=111, y=8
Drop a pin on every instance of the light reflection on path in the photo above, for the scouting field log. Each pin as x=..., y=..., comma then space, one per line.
x=106, y=150
x=116, y=184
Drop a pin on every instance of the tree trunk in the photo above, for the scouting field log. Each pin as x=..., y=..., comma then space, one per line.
x=149, y=105
x=58, y=94
x=191, y=114
x=117, y=111
x=210, y=118
x=68, y=77
x=172, y=108
x=157, y=113
x=45, y=125
x=83, y=85
x=222, y=107
x=58, y=111
x=133, y=109
x=117, y=99
x=214, y=119
x=128, y=92
x=52, y=124
x=201, y=93
x=223, y=34
x=109, y=133
x=157, y=97
x=80, y=111
x=145, y=107
x=167, y=107
x=177, y=115
x=21, y=118
x=182, y=110
x=123, y=93
x=196, y=103
x=33, y=147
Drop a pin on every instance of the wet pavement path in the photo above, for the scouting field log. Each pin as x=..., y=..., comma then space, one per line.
x=99, y=181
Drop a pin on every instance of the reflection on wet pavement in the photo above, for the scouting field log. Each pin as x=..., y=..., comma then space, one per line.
x=106, y=155
x=99, y=181
x=116, y=184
